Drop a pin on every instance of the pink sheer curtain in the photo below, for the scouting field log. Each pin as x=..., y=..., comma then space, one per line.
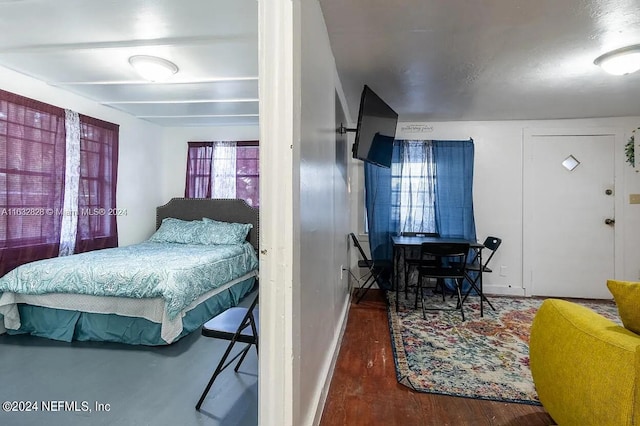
x=97, y=219
x=246, y=173
x=32, y=165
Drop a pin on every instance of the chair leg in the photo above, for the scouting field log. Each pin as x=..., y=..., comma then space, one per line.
x=365, y=288
x=479, y=290
x=458, y=290
x=407, y=275
x=254, y=331
x=418, y=290
x=356, y=279
x=440, y=284
x=221, y=366
x=471, y=288
x=458, y=294
x=244, y=352
x=406, y=280
x=483, y=297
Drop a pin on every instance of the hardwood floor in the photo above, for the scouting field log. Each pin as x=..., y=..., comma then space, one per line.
x=364, y=390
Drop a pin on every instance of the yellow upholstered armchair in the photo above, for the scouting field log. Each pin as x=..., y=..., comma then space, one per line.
x=586, y=368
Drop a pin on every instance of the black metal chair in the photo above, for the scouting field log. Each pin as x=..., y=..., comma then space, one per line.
x=442, y=261
x=409, y=260
x=377, y=269
x=492, y=244
x=238, y=325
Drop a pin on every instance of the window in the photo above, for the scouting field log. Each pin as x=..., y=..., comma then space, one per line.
x=248, y=172
x=97, y=227
x=32, y=155
x=198, y=183
x=32, y=181
x=413, y=187
x=223, y=170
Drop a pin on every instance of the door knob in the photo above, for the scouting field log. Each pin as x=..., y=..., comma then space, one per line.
x=609, y=221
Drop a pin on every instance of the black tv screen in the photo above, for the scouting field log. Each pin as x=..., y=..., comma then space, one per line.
x=376, y=130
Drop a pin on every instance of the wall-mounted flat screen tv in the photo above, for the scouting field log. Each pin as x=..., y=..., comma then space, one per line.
x=376, y=130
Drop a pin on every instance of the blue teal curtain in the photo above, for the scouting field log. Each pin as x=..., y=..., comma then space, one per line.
x=382, y=217
x=454, y=188
x=454, y=192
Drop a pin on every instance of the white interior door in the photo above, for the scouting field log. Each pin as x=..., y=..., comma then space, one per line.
x=569, y=209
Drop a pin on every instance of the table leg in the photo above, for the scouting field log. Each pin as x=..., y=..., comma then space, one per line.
x=395, y=274
x=480, y=283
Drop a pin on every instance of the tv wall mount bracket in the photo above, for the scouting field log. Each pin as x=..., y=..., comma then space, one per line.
x=344, y=130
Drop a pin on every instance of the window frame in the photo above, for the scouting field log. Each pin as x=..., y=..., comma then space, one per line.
x=204, y=175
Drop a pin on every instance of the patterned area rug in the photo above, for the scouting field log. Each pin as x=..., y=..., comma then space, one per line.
x=483, y=358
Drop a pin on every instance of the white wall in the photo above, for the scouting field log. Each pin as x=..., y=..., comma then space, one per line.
x=304, y=214
x=139, y=156
x=324, y=219
x=174, y=151
x=498, y=183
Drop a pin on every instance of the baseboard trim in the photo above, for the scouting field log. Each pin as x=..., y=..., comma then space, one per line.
x=504, y=291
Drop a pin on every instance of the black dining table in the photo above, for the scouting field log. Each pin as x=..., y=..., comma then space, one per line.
x=402, y=243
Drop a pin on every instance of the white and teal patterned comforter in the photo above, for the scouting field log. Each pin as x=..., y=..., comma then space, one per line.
x=178, y=273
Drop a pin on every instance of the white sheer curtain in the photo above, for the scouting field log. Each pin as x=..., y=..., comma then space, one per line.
x=69, y=226
x=413, y=182
x=223, y=170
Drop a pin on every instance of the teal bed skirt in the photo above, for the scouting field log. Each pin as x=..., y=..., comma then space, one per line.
x=64, y=325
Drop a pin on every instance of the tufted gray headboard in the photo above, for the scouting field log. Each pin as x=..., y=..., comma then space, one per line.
x=231, y=210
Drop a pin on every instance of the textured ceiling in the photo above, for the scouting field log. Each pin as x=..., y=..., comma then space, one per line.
x=485, y=60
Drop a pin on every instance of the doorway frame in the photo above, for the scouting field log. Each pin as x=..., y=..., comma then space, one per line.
x=529, y=135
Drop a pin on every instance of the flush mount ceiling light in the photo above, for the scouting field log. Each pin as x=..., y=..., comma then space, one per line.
x=153, y=68
x=620, y=61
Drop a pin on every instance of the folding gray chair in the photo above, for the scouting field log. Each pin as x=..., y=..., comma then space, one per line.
x=238, y=325
x=376, y=270
x=492, y=244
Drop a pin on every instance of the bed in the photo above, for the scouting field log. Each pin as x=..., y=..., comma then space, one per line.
x=201, y=260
